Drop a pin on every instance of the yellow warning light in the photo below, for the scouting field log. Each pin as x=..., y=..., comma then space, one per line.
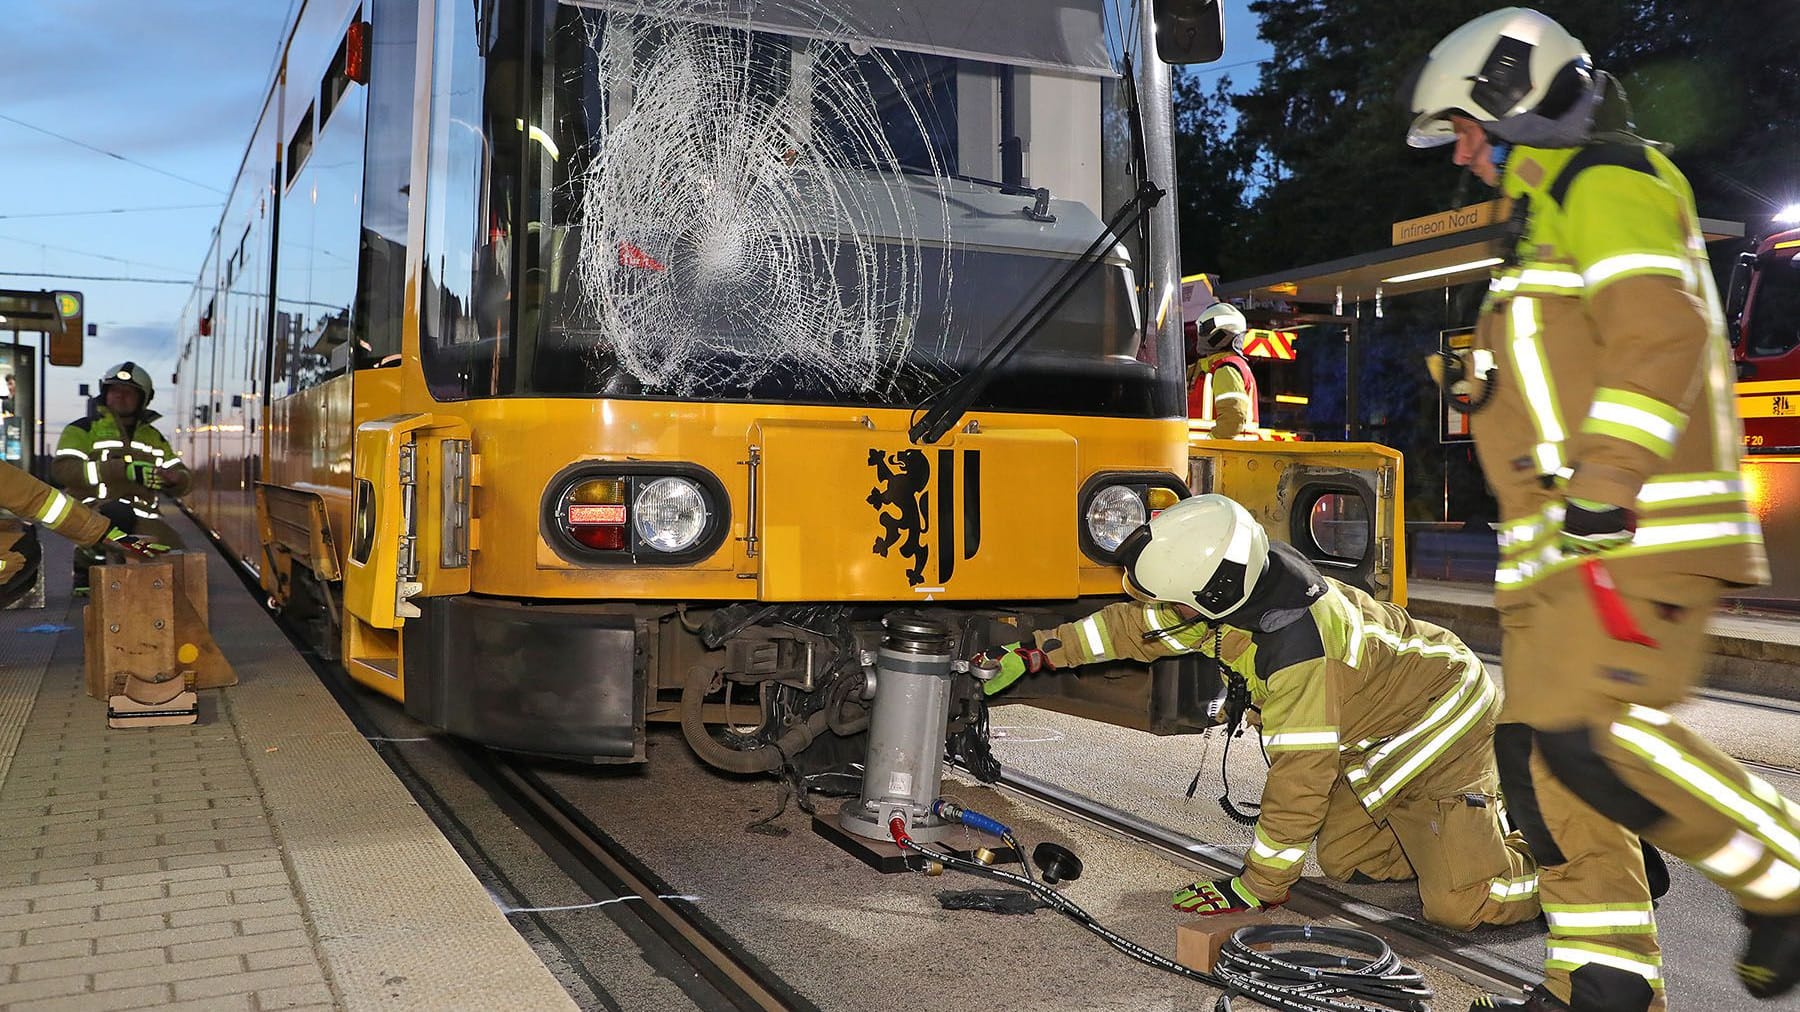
x=1161, y=498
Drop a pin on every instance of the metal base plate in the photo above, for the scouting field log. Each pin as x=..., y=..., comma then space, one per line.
x=862, y=819
x=887, y=857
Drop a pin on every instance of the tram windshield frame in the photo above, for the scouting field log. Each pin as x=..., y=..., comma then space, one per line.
x=628, y=205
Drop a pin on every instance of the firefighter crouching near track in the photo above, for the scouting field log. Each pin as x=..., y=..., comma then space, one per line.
x=116, y=461
x=32, y=500
x=1222, y=389
x=1379, y=727
x=1608, y=438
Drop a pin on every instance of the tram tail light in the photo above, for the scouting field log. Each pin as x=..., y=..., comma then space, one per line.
x=595, y=514
x=635, y=513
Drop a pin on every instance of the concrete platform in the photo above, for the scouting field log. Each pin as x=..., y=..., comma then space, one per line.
x=263, y=858
x=1752, y=652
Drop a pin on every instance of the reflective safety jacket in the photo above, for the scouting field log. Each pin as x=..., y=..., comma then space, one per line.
x=32, y=500
x=1612, y=377
x=92, y=455
x=1223, y=392
x=1348, y=686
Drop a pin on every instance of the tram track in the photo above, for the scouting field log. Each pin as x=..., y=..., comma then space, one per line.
x=721, y=974
x=738, y=977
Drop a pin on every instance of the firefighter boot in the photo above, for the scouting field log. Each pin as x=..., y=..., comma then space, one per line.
x=1536, y=1000
x=1770, y=966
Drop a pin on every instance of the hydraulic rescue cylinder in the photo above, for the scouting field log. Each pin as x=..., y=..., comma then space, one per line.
x=905, y=761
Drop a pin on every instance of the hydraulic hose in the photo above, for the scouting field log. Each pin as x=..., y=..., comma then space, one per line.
x=1293, y=981
x=763, y=758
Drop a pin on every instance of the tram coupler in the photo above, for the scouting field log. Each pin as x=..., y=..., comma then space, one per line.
x=904, y=765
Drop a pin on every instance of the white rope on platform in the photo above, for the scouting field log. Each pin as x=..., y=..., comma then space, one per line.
x=588, y=906
x=368, y=737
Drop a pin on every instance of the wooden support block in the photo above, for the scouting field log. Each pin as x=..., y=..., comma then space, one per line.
x=1197, y=943
x=182, y=708
x=148, y=620
x=131, y=618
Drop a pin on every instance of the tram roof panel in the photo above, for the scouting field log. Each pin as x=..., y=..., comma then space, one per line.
x=1420, y=266
x=1064, y=35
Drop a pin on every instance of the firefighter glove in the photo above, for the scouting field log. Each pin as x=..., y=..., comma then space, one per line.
x=137, y=544
x=143, y=472
x=1002, y=666
x=1591, y=527
x=1220, y=896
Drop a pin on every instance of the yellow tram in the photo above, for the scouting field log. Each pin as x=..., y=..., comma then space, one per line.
x=564, y=365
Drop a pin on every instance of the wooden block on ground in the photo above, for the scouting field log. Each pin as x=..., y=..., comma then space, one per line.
x=131, y=622
x=1197, y=943
x=123, y=711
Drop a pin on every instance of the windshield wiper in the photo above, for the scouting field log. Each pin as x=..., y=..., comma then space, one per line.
x=949, y=404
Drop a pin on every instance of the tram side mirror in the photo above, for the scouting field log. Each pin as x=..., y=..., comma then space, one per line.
x=1189, y=31
x=1739, y=293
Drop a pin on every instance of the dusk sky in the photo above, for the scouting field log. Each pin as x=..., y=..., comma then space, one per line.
x=170, y=90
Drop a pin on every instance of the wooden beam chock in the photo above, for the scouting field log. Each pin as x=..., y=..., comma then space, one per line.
x=148, y=645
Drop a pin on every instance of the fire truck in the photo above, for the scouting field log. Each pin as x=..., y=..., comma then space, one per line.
x=1762, y=311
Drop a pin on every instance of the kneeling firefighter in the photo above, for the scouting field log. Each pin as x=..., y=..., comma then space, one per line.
x=32, y=500
x=117, y=462
x=1379, y=727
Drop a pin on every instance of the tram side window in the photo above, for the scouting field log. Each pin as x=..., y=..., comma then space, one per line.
x=381, y=284
x=320, y=235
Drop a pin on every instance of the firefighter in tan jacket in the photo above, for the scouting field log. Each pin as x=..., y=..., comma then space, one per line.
x=1607, y=434
x=1380, y=728
x=32, y=500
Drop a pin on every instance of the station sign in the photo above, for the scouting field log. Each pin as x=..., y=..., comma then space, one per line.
x=1461, y=219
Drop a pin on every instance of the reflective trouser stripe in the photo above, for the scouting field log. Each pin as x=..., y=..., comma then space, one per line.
x=1600, y=919
x=1762, y=820
x=1511, y=890
x=1736, y=857
x=1276, y=855
x=1573, y=955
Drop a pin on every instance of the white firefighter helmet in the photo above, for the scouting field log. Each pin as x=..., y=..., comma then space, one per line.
x=132, y=375
x=1515, y=71
x=1206, y=552
x=1221, y=326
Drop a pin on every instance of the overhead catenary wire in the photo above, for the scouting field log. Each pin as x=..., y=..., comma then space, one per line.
x=109, y=210
x=96, y=277
x=110, y=154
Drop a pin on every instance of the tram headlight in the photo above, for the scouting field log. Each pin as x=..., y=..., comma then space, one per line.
x=635, y=513
x=1112, y=513
x=1112, y=504
x=670, y=514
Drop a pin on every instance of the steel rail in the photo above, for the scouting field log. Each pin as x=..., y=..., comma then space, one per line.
x=733, y=972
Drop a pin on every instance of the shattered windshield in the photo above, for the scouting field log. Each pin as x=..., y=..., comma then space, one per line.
x=779, y=203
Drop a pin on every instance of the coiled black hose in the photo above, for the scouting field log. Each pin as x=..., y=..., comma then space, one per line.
x=1294, y=981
